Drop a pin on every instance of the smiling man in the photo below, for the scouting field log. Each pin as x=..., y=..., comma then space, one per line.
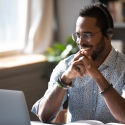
x=93, y=79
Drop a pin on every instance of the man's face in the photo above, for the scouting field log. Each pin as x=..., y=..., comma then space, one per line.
x=96, y=44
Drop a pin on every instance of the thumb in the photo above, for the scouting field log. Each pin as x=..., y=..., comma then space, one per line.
x=89, y=57
x=87, y=62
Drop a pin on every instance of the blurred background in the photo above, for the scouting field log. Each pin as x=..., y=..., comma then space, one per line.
x=36, y=34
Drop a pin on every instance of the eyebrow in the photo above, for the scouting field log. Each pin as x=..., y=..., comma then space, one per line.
x=85, y=32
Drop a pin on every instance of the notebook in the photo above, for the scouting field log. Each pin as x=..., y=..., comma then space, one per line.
x=13, y=108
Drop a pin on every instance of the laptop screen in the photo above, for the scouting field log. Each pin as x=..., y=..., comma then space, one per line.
x=13, y=108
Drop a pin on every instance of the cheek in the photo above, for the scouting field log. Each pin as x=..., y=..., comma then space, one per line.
x=94, y=43
x=97, y=41
x=100, y=45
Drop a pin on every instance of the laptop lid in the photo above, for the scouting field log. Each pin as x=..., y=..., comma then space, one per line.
x=13, y=108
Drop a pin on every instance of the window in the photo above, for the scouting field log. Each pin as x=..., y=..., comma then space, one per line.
x=13, y=15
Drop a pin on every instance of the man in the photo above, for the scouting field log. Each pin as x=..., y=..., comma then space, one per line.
x=93, y=79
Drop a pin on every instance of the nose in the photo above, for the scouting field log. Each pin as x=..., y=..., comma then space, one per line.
x=81, y=41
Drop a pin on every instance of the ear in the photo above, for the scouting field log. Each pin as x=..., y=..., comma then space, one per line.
x=107, y=38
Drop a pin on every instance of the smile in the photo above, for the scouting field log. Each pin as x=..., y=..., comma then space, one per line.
x=85, y=48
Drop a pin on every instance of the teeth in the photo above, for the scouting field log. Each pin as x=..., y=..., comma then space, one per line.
x=85, y=48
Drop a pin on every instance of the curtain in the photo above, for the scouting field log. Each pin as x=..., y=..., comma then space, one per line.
x=39, y=34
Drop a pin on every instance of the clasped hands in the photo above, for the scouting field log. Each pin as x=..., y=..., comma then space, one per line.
x=81, y=65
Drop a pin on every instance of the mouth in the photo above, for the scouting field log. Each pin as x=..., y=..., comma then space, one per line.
x=85, y=48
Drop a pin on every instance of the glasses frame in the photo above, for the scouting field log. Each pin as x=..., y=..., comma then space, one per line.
x=85, y=36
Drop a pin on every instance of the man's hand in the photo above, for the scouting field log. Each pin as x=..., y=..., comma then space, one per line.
x=81, y=65
x=76, y=69
x=88, y=65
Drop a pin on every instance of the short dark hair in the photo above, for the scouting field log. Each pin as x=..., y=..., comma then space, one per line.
x=94, y=10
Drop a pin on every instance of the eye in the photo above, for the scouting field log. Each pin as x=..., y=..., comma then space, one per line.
x=86, y=35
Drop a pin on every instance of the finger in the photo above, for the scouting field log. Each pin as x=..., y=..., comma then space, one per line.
x=77, y=69
x=84, y=53
x=80, y=57
x=79, y=61
x=76, y=57
x=89, y=65
x=86, y=61
x=80, y=70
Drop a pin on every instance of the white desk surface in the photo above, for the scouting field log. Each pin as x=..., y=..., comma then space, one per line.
x=81, y=122
x=36, y=123
x=40, y=123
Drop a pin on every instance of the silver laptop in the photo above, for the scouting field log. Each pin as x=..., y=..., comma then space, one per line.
x=13, y=108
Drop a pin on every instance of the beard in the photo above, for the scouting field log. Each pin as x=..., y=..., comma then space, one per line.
x=98, y=49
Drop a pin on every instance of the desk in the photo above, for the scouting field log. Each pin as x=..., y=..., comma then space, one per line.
x=80, y=122
x=40, y=123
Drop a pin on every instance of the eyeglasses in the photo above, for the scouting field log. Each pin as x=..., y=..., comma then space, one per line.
x=84, y=36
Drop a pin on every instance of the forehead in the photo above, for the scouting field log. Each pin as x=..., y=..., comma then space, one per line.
x=84, y=24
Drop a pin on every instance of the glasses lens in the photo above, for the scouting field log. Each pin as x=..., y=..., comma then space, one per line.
x=74, y=37
x=84, y=36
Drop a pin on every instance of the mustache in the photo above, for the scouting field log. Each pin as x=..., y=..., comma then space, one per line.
x=83, y=46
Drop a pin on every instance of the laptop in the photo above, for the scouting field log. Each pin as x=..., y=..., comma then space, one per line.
x=13, y=108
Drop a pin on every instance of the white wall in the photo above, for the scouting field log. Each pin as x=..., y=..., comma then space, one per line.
x=67, y=13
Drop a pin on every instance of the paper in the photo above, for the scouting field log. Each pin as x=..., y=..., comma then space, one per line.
x=91, y=122
x=86, y=122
